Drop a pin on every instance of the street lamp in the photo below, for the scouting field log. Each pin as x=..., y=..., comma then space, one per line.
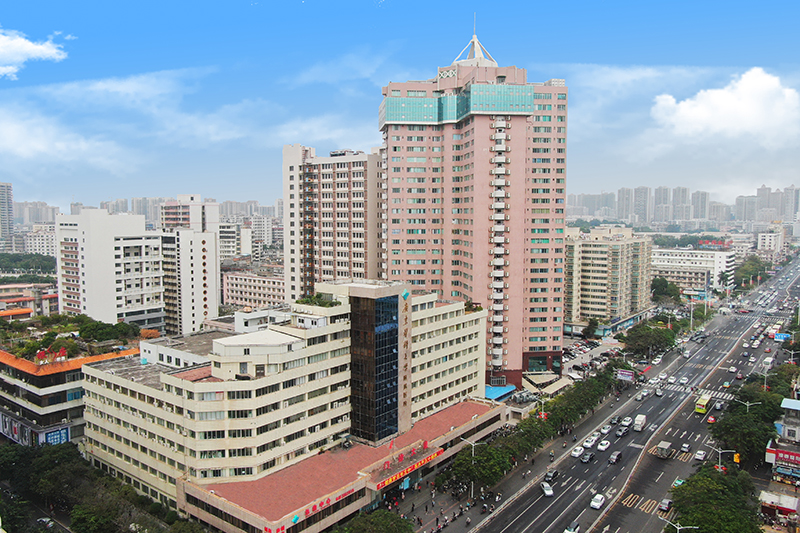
x=765, y=374
x=719, y=455
x=748, y=404
x=472, y=482
x=678, y=527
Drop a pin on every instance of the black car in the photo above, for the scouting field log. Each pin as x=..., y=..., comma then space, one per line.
x=588, y=457
x=622, y=431
x=614, y=420
x=551, y=475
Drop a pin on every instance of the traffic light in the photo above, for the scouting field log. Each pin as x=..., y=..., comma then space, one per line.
x=736, y=458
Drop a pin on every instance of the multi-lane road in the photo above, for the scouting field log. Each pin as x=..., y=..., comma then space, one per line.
x=634, y=487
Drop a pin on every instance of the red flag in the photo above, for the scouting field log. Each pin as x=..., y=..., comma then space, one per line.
x=391, y=444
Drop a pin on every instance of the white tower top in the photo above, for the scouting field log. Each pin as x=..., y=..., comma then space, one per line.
x=478, y=56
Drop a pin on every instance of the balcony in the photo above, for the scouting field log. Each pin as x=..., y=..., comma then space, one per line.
x=499, y=183
x=497, y=240
x=500, y=148
x=497, y=296
x=498, y=229
x=499, y=171
x=497, y=194
x=497, y=352
x=498, y=274
x=500, y=159
x=498, y=251
x=499, y=124
x=497, y=307
x=498, y=262
x=500, y=136
x=497, y=340
x=498, y=216
x=497, y=285
x=499, y=205
x=497, y=329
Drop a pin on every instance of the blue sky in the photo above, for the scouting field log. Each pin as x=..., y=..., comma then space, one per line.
x=105, y=100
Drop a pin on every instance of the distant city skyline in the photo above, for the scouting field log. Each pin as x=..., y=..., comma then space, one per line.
x=92, y=111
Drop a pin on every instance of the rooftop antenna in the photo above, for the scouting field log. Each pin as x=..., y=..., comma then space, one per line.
x=474, y=23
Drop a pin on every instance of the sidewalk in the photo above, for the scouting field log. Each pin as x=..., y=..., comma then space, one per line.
x=427, y=506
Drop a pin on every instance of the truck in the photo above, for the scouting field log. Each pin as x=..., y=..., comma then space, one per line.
x=664, y=449
x=639, y=422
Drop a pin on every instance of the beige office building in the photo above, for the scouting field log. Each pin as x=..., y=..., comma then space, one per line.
x=607, y=275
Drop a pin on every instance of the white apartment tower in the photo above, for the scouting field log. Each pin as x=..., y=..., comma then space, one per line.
x=330, y=217
x=110, y=269
x=189, y=211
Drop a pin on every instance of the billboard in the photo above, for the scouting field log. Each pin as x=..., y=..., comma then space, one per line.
x=625, y=375
x=782, y=336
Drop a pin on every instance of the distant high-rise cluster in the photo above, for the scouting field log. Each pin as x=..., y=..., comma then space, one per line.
x=643, y=206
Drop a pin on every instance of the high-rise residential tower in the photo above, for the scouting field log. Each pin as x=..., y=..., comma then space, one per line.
x=475, y=163
x=643, y=204
x=6, y=210
x=331, y=217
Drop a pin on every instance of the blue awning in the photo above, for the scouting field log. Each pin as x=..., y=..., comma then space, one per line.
x=784, y=471
x=497, y=393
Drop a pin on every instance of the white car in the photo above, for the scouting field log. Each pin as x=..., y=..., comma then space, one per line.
x=745, y=345
x=605, y=430
x=662, y=376
x=598, y=501
x=683, y=381
x=577, y=452
x=732, y=369
x=627, y=421
x=547, y=489
x=671, y=379
x=751, y=360
x=700, y=455
x=603, y=445
x=657, y=361
x=590, y=442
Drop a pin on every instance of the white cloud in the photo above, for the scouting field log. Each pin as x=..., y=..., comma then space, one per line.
x=755, y=106
x=30, y=138
x=16, y=50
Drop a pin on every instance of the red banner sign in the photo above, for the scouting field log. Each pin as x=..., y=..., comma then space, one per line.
x=403, y=473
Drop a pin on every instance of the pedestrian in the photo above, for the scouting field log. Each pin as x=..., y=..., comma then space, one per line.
x=437, y=520
x=426, y=508
x=403, y=496
x=412, y=507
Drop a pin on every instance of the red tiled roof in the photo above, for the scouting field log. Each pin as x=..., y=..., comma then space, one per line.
x=328, y=472
x=17, y=300
x=198, y=374
x=29, y=367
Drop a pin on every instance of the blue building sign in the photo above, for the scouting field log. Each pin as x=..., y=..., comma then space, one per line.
x=59, y=436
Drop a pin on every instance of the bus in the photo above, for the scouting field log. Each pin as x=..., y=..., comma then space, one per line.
x=703, y=404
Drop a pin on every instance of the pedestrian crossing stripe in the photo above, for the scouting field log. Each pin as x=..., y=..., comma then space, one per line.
x=718, y=395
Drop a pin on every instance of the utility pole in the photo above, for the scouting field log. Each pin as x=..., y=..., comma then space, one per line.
x=472, y=483
x=748, y=404
x=719, y=455
x=678, y=527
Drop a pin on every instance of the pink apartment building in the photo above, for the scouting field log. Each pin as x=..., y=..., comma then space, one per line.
x=475, y=172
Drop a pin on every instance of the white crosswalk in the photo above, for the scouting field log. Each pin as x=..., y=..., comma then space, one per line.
x=718, y=395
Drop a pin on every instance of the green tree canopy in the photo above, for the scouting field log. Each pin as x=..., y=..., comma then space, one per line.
x=590, y=331
x=27, y=262
x=379, y=521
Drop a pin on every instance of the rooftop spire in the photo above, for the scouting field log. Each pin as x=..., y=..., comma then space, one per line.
x=478, y=56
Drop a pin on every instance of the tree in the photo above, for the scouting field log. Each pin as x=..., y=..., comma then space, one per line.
x=590, y=331
x=379, y=521
x=183, y=526
x=664, y=291
x=85, y=519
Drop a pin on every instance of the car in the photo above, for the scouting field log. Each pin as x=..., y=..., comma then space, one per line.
x=639, y=397
x=627, y=421
x=547, y=489
x=662, y=376
x=711, y=419
x=686, y=447
x=745, y=345
x=588, y=457
x=603, y=445
x=751, y=360
x=614, y=458
x=598, y=501
x=642, y=362
x=683, y=381
x=718, y=406
x=577, y=452
x=671, y=379
x=605, y=430
x=652, y=381
x=700, y=455
x=46, y=522
x=768, y=350
x=659, y=392
x=551, y=475
x=726, y=385
x=574, y=527
x=732, y=369
x=614, y=420
x=665, y=505
x=739, y=376
x=590, y=442
x=745, y=354
x=678, y=482
x=622, y=431
x=657, y=361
